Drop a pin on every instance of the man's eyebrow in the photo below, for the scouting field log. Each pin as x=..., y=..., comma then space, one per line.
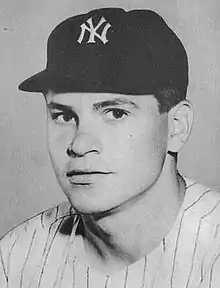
x=54, y=105
x=98, y=105
x=115, y=102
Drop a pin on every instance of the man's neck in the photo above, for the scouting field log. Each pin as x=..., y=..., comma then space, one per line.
x=138, y=227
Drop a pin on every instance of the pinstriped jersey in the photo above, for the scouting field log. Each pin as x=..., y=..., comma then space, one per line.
x=46, y=252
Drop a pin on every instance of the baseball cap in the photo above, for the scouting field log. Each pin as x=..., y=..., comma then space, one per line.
x=111, y=50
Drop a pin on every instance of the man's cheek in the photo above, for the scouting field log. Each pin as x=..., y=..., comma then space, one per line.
x=159, y=143
x=124, y=157
x=59, y=139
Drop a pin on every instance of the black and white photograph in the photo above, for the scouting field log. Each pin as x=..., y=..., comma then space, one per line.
x=109, y=144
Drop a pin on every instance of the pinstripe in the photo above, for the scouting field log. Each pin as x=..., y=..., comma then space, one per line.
x=57, y=211
x=54, y=222
x=45, y=248
x=51, y=243
x=144, y=273
x=212, y=267
x=74, y=274
x=179, y=231
x=58, y=274
x=164, y=244
x=197, y=237
x=66, y=251
x=27, y=257
x=26, y=225
x=175, y=250
x=106, y=282
x=126, y=278
x=202, y=270
x=42, y=220
x=64, y=268
x=46, y=242
x=47, y=254
x=216, y=231
x=3, y=266
x=87, y=278
x=10, y=252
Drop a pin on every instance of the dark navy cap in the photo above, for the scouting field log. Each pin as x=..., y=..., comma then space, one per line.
x=110, y=50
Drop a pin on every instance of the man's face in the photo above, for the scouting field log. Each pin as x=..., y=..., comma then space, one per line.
x=105, y=148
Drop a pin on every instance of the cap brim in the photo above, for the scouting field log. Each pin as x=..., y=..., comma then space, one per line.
x=36, y=83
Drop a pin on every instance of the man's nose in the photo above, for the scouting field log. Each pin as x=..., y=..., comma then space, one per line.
x=82, y=144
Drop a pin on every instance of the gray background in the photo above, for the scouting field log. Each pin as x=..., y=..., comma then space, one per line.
x=27, y=182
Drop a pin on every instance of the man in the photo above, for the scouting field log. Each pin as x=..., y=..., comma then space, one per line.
x=115, y=87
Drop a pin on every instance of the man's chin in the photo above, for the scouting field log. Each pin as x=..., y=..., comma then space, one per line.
x=93, y=207
x=90, y=199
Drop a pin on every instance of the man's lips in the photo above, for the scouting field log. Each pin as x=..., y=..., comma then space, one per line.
x=84, y=172
x=83, y=177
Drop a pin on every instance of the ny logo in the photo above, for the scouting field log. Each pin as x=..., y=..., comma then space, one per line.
x=93, y=31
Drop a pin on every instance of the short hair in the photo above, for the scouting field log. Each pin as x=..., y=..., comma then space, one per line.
x=167, y=98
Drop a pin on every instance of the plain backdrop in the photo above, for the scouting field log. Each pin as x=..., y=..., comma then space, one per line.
x=27, y=182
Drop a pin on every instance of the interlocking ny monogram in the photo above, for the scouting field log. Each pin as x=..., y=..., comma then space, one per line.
x=93, y=31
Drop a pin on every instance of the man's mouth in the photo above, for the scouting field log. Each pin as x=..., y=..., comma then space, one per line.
x=83, y=172
x=83, y=177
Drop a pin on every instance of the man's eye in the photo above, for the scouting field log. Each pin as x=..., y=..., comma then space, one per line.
x=115, y=113
x=62, y=117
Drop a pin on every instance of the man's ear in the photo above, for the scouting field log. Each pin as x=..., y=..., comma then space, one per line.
x=180, y=121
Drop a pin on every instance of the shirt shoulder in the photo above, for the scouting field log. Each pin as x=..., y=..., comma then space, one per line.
x=198, y=235
x=188, y=255
x=40, y=239
x=201, y=199
x=42, y=221
x=201, y=210
x=52, y=222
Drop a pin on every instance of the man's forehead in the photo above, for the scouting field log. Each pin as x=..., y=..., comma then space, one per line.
x=88, y=95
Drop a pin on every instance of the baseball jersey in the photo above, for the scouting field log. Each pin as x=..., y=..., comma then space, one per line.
x=46, y=251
